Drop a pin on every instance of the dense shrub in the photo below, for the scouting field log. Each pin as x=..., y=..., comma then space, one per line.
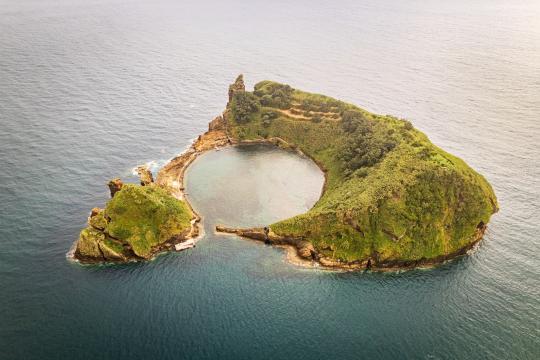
x=365, y=144
x=267, y=116
x=266, y=100
x=244, y=104
x=320, y=103
x=408, y=125
x=353, y=121
x=274, y=94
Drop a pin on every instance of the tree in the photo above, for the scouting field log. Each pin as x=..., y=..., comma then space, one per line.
x=365, y=144
x=243, y=105
x=353, y=120
x=274, y=94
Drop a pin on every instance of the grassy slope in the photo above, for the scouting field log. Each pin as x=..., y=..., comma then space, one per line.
x=141, y=216
x=418, y=202
x=146, y=216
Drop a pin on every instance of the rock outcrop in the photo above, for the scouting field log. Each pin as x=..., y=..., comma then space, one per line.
x=97, y=219
x=145, y=176
x=218, y=124
x=238, y=85
x=138, y=222
x=115, y=185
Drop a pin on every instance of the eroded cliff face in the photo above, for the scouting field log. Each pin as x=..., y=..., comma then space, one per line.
x=322, y=255
x=95, y=244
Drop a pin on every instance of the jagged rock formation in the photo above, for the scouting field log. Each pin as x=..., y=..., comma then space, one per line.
x=115, y=185
x=237, y=86
x=145, y=175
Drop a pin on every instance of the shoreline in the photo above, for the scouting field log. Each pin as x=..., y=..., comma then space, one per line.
x=171, y=175
x=302, y=253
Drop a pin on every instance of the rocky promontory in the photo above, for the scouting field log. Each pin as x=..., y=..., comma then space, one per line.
x=138, y=222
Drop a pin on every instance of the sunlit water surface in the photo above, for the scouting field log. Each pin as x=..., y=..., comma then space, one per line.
x=89, y=89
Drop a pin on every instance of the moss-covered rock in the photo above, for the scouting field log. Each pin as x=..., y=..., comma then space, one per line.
x=97, y=219
x=145, y=175
x=145, y=217
x=113, y=250
x=88, y=244
x=137, y=222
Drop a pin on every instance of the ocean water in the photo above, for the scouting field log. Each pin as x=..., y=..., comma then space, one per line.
x=89, y=89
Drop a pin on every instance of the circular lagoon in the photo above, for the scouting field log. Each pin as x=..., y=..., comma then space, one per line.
x=252, y=185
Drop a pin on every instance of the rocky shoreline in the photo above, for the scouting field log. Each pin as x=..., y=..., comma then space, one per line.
x=309, y=255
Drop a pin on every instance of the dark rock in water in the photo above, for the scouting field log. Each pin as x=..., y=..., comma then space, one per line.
x=237, y=86
x=115, y=185
x=145, y=175
x=368, y=265
x=266, y=238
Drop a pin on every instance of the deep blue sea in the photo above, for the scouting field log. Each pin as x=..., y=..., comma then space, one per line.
x=90, y=89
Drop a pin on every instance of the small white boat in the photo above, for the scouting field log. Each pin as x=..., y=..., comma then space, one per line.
x=188, y=244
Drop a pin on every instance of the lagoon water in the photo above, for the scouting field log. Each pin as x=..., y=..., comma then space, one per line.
x=89, y=89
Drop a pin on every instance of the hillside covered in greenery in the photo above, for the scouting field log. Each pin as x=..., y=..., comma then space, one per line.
x=136, y=223
x=391, y=196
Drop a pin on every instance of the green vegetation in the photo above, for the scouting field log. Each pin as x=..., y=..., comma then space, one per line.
x=243, y=105
x=135, y=221
x=274, y=94
x=366, y=141
x=390, y=195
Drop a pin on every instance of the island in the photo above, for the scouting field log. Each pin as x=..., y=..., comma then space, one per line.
x=391, y=199
x=137, y=223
